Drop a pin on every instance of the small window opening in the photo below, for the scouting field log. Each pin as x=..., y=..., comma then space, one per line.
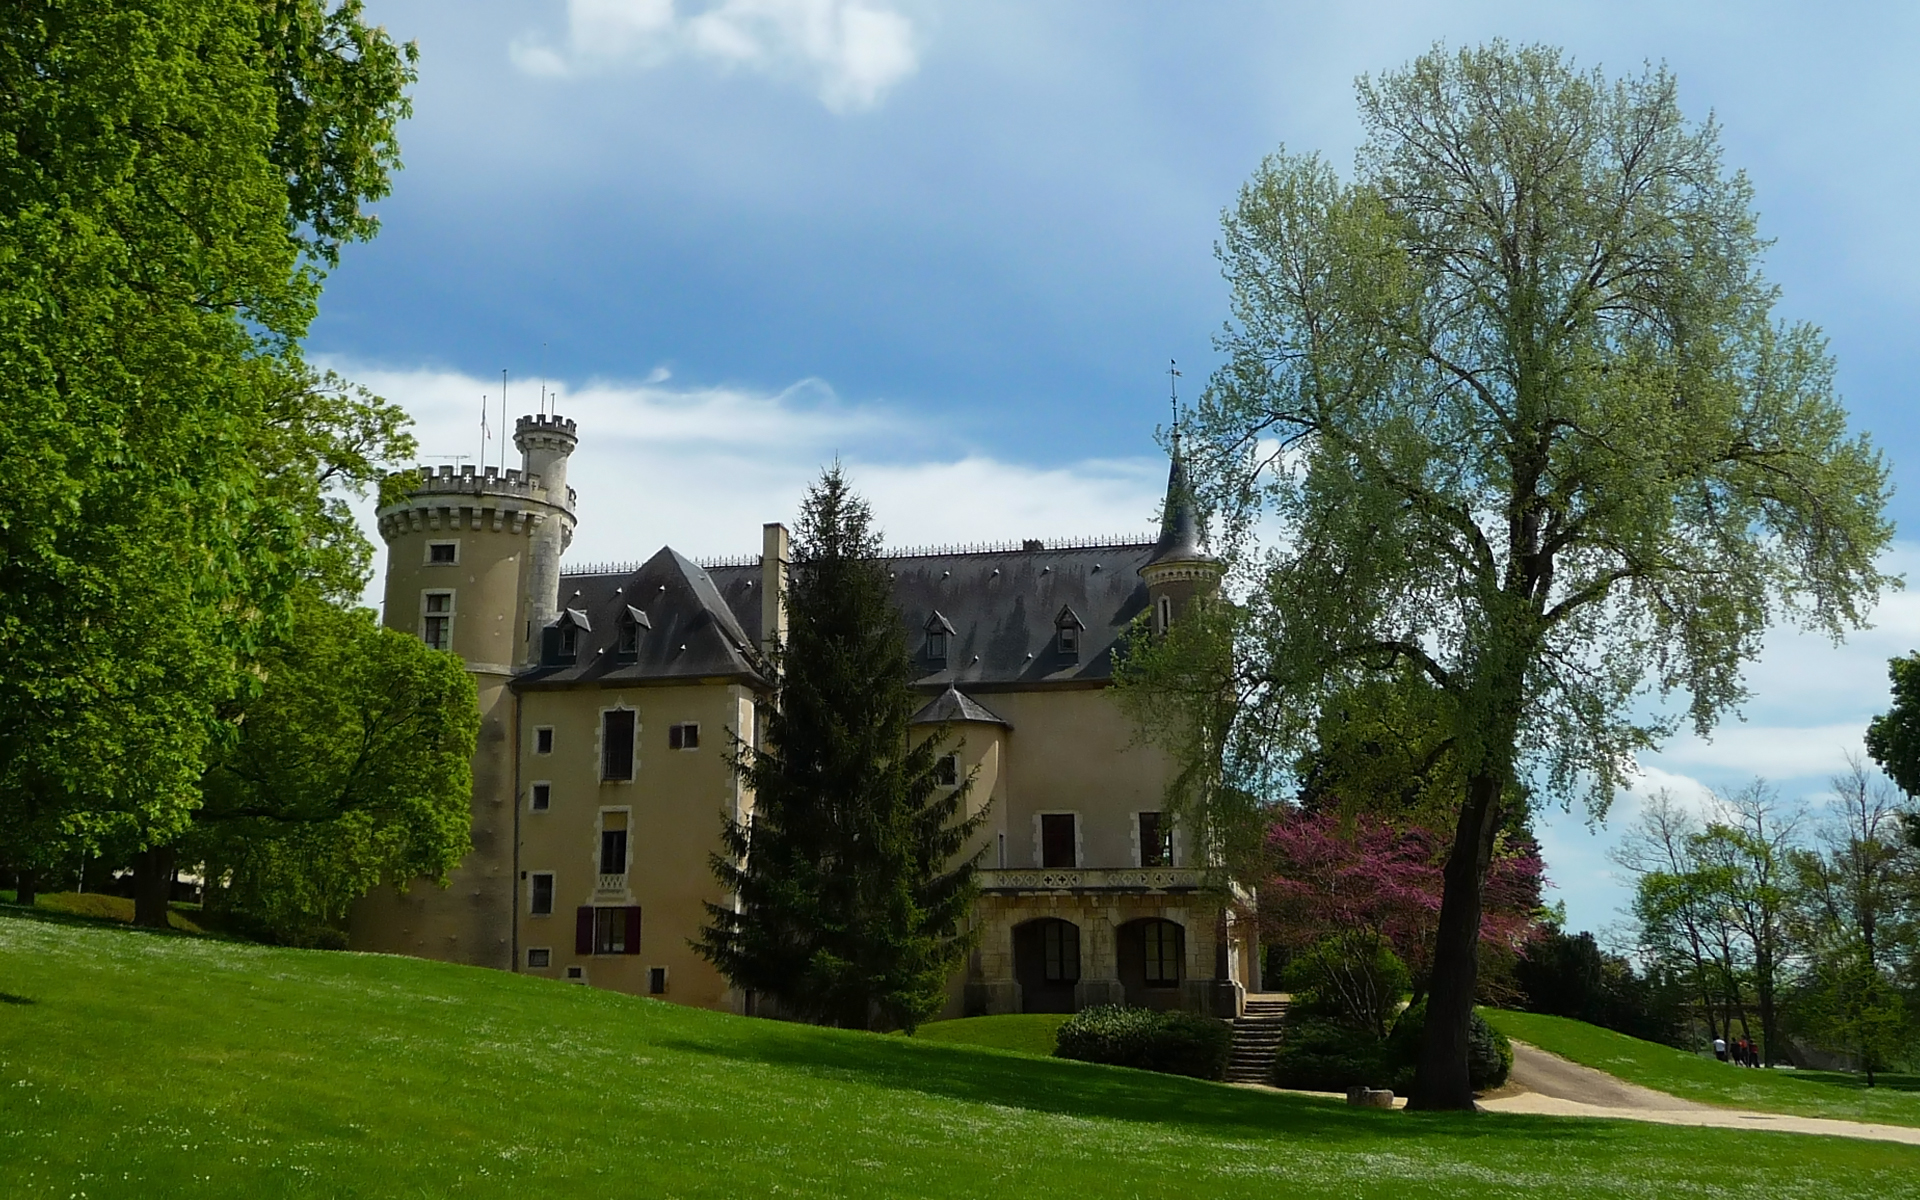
x=437, y=628
x=946, y=771
x=443, y=553
x=539, y=958
x=1056, y=840
x=685, y=736
x=1156, y=840
x=613, y=844
x=542, y=797
x=627, y=632
x=579, y=973
x=540, y=894
x=1164, y=613
x=656, y=981
x=543, y=740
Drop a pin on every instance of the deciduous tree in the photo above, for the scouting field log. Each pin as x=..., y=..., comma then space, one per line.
x=1516, y=411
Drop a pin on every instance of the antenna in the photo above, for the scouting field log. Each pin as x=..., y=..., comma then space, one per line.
x=543, y=378
x=486, y=435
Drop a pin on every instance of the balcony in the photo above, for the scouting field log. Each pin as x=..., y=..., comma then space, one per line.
x=1084, y=879
x=613, y=883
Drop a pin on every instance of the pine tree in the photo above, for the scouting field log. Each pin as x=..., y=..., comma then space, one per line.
x=850, y=906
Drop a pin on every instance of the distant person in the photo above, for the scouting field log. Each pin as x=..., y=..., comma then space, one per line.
x=1720, y=1049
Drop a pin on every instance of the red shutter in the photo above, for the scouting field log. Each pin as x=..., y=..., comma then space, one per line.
x=583, y=930
x=633, y=930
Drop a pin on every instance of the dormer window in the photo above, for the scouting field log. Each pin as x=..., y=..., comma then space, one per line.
x=627, y=633
x=1067, y=627
x=562, y=638
x=939, y=631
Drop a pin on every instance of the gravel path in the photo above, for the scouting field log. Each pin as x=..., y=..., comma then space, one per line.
x=1551, y=1086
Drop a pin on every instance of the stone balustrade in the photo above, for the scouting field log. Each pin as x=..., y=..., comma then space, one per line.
x=1082, y=879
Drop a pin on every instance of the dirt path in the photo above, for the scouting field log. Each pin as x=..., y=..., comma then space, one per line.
x=1549, y=1085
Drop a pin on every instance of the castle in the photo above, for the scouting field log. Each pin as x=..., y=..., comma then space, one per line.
x=609, y=700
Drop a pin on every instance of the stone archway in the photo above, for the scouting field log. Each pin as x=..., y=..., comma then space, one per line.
x=1152, y=954
x=1046, y=963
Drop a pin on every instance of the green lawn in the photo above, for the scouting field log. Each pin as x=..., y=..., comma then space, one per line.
x=1802, y=1093
x=1029, y=1033
x=141, y=1064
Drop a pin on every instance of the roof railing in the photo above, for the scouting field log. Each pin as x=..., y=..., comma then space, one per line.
x=1017, y=546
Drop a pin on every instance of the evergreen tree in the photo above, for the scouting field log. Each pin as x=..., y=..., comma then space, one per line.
x=850, y=905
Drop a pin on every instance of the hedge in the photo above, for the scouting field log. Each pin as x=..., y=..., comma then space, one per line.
x=1176, y=1043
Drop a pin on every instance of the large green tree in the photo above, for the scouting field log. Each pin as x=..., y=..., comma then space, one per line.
x=852, y=897
x=1514, y=408
x=174, y=177
x=354, y=763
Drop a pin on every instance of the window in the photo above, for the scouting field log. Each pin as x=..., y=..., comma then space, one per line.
x=540, y=894
x=569, y=642
x=542, y=798
x=939, y=629
x=656, y=981
x=436, y=625
x=946, y=771
x=613, y=848
x=577, y=973
x=607, y=931
x=1056, y=840
x=1060, y=952
x=1066, y=628
x=1163, y=614
x=543, y=740
x=616, y=744
x=539, y=958
x=441, y=554
x=683, y=737
x=1156, y=840
x=1163, y=953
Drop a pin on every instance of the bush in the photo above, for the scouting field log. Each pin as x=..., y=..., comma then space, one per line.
x=1489, y=1054
x=1322, y=1055
x=1176, y=1043
x=1355, y=978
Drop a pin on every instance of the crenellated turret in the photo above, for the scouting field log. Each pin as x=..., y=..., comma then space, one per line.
x=545, y=443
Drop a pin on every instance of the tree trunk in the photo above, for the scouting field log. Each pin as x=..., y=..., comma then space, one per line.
x=152, y=886
x=1440, y=1078
x=1763, y=983
x=26, y=886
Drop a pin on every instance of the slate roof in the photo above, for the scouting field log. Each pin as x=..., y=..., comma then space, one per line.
x=690, y=631
x=952, y=706
x=1002, y=606
x=1182, y=536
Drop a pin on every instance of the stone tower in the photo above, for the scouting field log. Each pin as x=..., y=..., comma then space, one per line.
x=1180, y=568
x=473, y=567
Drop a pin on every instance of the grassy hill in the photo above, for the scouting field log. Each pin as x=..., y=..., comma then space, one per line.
x=137, y=1064
x=1896, y=1101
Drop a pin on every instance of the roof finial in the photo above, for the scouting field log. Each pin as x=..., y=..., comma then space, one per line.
x=1173, y=394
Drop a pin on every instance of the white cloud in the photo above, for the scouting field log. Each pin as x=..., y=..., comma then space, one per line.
x=702, y=469
x=851, y=52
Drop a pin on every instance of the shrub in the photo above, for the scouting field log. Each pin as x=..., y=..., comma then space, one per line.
x=1489, y=1054
x=1176, y=1043
x=1356, y=977
x=1322, y=1055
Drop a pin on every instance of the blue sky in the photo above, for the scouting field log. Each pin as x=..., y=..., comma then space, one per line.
x=958, y=243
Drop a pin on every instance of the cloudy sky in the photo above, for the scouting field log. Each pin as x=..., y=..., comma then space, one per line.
x=956, y=245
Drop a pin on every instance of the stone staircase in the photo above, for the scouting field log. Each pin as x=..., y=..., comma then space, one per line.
x=1256, y=1039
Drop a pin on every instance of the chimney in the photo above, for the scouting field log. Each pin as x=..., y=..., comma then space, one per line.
x=774, y=557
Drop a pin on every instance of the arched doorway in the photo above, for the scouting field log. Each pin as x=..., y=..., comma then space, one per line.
x=1153, y=957
x=1046, y=962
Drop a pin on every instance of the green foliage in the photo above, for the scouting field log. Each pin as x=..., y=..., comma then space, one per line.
x=1170, y=1041
x=1893, y=737
x=1360, y=980
x=1568, y=975
x=852, y=909
x=352, y=765
x=372, y=1074
x=1319, y=1054
x=168, y=454
x=1515, y=409
x=1489, y=1053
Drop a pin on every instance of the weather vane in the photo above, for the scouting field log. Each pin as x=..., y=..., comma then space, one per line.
x=1173, y=392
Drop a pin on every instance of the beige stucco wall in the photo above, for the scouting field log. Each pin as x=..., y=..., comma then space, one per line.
x=675, y=805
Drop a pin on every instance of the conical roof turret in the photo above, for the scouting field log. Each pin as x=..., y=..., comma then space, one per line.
x=1183, y=533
